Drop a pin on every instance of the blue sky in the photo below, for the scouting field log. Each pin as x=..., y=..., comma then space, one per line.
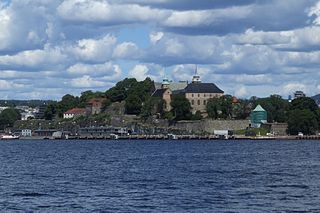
x=248, y=48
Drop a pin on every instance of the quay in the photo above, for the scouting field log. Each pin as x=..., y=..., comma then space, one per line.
x=176, y=137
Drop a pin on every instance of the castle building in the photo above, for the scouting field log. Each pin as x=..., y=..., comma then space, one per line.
x=164, y=93
x=199, y=93
x=196, y=92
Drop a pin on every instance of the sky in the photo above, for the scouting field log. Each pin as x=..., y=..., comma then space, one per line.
x=49, y=48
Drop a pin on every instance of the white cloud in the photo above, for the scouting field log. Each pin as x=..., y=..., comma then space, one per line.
x=47, y=57
x=102, y=11
x=292, y=87
x=86, y=82
x=155, y=37
x=126, y=50
x=107, y=70
x=98, y=50
x=241, y=92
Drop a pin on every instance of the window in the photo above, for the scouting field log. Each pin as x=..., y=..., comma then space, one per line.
x=192, y=95
x=198, y=102
x=210, y=95
x=204, y=102
x=204, y=95
x=192, y=102
x=199, y=95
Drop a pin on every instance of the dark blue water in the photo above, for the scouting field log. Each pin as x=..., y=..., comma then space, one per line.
x=159, y=176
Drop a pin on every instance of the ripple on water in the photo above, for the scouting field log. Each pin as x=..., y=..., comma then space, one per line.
x=144, y=176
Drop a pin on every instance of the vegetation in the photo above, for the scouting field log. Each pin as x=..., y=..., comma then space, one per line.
x=8, y=117
x=303, y=116
x=181, y=108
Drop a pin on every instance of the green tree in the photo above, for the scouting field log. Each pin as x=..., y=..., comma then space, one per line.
x=276, y=107
x=213, y=107
x=68, y=102
x=133, y=105
x=304, y=103
x=181, y=107
x=121, y=90
x=302, y=120
x=51, y=111
x=220, y=107
x=8, y=117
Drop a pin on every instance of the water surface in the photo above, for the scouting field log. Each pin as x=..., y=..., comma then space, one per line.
x=159, y=176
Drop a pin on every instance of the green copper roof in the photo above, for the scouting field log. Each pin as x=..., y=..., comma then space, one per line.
x=259, y=109
x=165, y=81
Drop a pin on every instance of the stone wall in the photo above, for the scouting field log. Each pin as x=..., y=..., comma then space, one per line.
x=209, y=125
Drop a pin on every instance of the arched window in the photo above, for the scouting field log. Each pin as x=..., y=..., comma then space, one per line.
x=198, y=102
x=192, y=102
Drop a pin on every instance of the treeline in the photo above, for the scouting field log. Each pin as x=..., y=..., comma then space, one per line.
x=8, y=117
x=133, y=92
x=302, y=114
x=29, y=103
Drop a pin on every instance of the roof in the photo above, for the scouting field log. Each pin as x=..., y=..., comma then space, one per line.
x=76, y=111
x=96, y=100
x=173, y=85
x=259, y=109
x=203, y=88
x=159, y=92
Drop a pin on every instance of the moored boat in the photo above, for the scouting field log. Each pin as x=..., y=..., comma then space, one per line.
x=9, y=137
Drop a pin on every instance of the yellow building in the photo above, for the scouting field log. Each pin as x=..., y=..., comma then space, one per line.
x=199, y=93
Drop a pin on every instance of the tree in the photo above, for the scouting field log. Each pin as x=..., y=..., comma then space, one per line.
x=181, y=107
x=68, y=102
x=133, y=105
x=120, y=92
x=51, y=111
x=220, y=107
x=8, y=117
x=304, y=121
x=304, y=116
x=304, y=103
x=276, y=107
x=213, y=107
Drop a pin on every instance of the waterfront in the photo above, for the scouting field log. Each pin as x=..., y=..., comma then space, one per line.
x=159, y=176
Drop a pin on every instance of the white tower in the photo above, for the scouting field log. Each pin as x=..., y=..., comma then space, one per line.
x=196, y=77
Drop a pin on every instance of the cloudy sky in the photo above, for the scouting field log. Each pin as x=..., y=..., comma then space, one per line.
x=247, y=47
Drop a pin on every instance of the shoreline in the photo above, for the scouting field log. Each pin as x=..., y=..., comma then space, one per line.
x=178, y=137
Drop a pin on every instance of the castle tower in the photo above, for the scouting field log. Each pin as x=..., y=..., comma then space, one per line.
x=165, y=83
x=196, y=77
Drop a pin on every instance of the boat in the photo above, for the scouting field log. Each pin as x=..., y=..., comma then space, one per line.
x=114, y=136
x=9, y=137
x=172, y=137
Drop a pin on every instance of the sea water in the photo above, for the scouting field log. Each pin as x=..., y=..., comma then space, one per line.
x=159, y=176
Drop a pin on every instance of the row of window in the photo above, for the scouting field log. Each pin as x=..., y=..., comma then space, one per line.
x=203, y=94
x=199, y=102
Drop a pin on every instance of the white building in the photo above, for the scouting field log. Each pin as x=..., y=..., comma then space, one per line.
x=26, y=132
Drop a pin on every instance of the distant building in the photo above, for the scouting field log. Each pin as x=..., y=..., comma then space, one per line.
x=165, y=94
x=75, y=112
x=40, y=112
x=95, y=105
x=196, y=92
x=299, y=94
x=26, y=132
x=258, y=116
x=173, y=86
x=199, y=93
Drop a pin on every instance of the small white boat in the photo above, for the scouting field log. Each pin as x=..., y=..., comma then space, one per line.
x=114, y=136
x=9, y=137
x=172, y=137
